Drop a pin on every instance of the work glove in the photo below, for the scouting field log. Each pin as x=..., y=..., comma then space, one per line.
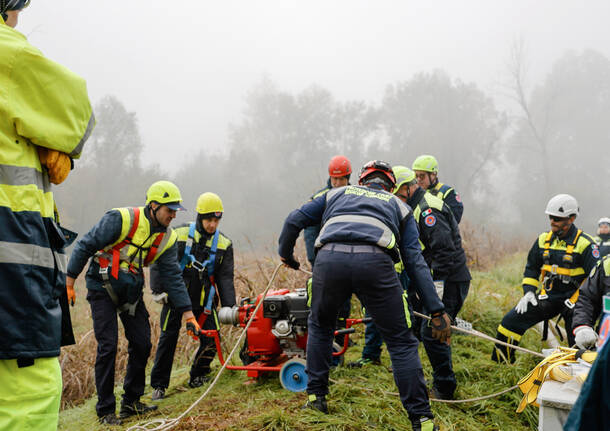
x=291, y=262
x=192, y=328
x=71, y=294
x=441, y=327
x=58, y=164
x=160, y=298
x=585, y=337
x=439, y=285
x=528, y=298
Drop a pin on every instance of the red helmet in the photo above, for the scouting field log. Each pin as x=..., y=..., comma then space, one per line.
x=377, y=166
x=339, y=166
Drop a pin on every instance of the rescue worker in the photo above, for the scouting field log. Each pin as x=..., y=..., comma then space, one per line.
x=589, y=305
x=603, y=236
x=206, y=257
x=339, y=172
x=120, y=245
x=45, y=120
x=557, y=263
x=365, y=230
x=442, y=249
x=426, y=172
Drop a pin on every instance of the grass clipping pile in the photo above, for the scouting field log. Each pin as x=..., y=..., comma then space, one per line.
x=265, y=405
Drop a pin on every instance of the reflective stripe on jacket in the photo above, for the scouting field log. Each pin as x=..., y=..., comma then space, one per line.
x=41, y=104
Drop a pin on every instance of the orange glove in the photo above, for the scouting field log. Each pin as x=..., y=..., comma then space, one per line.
x=58, y=164
x=192, y=328
x=71, y=294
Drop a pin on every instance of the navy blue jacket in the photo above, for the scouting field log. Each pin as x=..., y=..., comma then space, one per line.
x=362, y=215
x=128, y=286
x=311, y=232
x=450, y=197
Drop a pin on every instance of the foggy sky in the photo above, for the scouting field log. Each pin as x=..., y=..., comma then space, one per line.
x=185, y=67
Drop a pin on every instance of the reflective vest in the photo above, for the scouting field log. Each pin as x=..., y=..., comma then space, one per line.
x=136, y=248
x=41, y=104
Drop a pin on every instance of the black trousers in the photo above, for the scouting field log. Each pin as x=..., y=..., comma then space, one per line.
x=514, y=325
x=171, y=323
x=372, y=277
x=137, y=332
x=439, y=354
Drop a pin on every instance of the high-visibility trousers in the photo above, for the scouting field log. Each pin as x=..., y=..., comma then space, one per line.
x=30, y=396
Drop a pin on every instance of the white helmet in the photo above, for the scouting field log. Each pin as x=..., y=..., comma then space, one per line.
x=605, y=220
x=562, y=206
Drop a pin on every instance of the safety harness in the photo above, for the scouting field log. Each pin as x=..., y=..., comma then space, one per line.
x=113, y=257
x=550, y=272
x=208, y=264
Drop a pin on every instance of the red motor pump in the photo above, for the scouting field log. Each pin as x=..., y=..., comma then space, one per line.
x=279, y=327
x=276, y=340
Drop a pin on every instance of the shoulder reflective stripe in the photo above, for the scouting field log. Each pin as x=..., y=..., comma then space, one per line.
x=530, y=281
x=404, y=210
x=449, y=190
x=606, y=262
x=223, y=242
x=23, y=175
x=333, y=192
x=320, y=193
x=417, y=213
x=387, y=239
x=583, y=242
x=79, y=148
x=26, y=254
x=508, y=333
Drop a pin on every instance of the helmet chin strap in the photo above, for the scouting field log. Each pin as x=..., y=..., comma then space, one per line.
x=154, y=213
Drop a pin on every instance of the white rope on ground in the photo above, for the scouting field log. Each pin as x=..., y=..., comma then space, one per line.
x=471, y=332
x=166, y=424
x=468, y=400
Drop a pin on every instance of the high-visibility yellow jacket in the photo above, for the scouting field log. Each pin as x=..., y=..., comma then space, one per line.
x=41, y=104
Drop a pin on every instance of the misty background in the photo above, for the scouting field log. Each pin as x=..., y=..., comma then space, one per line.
x=251, y=99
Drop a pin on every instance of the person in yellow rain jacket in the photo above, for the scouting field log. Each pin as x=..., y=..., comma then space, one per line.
x=45, y=119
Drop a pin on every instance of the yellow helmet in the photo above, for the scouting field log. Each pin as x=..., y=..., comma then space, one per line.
x=425, y=163
x=165, y=193
x=210, y=204
x=403, y=176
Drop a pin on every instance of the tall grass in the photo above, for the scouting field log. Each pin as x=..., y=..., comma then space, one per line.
x=359, y=399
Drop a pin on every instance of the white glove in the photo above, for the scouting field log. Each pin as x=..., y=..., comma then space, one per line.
x=160, y=298
x=585, y=337
x=439, y=285
x=528, y=298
